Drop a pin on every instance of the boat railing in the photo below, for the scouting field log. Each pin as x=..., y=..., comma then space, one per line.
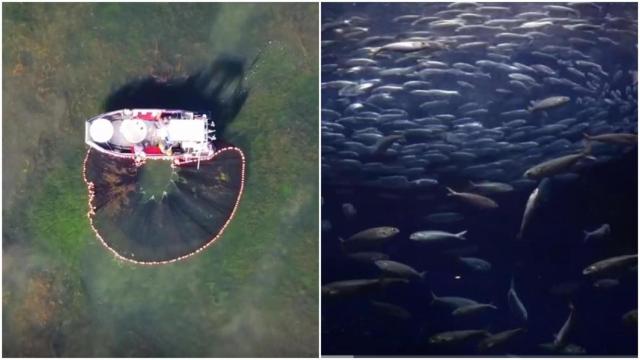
x=194, y=149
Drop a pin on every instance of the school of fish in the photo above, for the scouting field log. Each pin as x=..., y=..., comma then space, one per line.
x=505, y=97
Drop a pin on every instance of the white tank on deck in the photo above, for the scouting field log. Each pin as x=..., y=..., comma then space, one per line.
x=134, y=131
x=101, y=130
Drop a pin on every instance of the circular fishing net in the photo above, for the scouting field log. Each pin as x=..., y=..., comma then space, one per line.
x=156, y=213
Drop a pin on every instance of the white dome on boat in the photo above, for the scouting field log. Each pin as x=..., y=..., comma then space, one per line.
x=134, y=131
x=101, y=130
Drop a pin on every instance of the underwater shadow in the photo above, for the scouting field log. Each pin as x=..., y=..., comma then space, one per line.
x=217, y=89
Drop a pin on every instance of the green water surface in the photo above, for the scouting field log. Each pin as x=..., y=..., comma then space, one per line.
x=253, y=293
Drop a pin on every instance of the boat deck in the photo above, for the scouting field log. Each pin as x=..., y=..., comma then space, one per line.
x=156, y=132
x=119, y=140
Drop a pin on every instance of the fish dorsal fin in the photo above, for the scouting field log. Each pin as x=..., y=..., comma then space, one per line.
x=434, y=297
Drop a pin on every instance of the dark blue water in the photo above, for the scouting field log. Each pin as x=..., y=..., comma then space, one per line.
x=547, y=266
x=554, y=255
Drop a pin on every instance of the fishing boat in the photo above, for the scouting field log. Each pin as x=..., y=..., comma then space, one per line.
x=179, y=136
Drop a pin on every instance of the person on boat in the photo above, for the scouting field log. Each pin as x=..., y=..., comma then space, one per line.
x=138, y=151
x=165, y=147
x=163, y=137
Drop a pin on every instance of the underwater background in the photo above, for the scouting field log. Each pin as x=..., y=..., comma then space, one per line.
x=398, y=319
x=254, y=292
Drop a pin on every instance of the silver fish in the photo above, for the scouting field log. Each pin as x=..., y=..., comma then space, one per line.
x=397, y=269
x=557, y=165
x=563, y=335
x=616, y=138
x=516, y=307
x=367, y=256
x=611, y=265
x=475, y=200
x=457, y=337
x=371, y=237
x=605, y=284
x=384, y=144
x=475, y=264
x=409, y=46
x=532, y=205
x=450, y=303
x=548, y=103
x=499, y=340
x=436, y=236
x=473, y=310
x=488, y=187
x=601, y=233
x=355, y=287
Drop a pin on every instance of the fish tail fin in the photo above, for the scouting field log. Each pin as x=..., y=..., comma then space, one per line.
x=531, y=39
x=462, y=234
x=586, y=136
x=451, y=191
x=342, y=247
x=375, y=51
x=571, y=306
x=423, y=275
x=432, y=296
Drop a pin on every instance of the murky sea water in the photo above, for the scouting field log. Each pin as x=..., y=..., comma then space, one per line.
x=255, y=291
